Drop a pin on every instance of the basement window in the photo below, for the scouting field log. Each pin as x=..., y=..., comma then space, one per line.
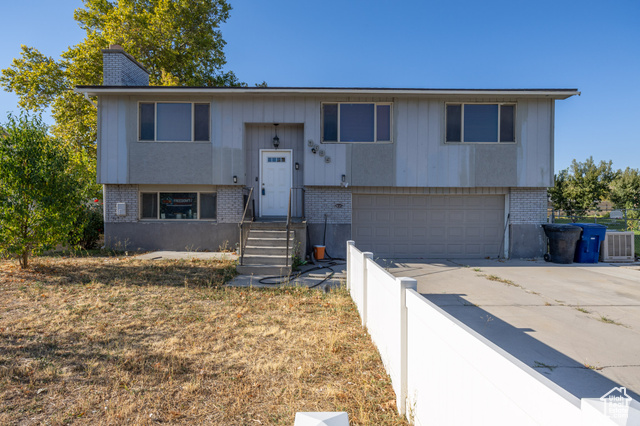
x=478, y=123
x=178, y=205
x=174, y=122
x=356, y=122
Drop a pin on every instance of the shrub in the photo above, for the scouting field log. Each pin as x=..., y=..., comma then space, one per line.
x=89, y=225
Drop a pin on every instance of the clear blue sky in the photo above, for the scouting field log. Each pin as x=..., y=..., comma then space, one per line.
x=593, y=46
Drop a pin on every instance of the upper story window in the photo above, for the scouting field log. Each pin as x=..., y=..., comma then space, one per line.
x=174, y=122
x=480, y=123
x=356, y=122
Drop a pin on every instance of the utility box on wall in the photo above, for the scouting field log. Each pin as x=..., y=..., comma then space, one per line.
x=121, y=209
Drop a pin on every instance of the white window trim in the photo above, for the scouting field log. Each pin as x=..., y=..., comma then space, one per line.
x=155, y=121
x=157, y=219
x=375, y=122
x=515, y=117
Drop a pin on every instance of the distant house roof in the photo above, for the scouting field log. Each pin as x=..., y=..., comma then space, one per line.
x=533, y=93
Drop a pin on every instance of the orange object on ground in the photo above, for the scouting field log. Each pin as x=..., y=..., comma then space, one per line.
x=318, y=252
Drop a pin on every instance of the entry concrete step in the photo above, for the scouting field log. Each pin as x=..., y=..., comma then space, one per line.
x=269, y=225
x=280, y=251
x=261, y=233
x=264, y=259
x=268, y=242
x=267, y=270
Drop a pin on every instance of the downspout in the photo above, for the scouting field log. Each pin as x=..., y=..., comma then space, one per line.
x=86, y=96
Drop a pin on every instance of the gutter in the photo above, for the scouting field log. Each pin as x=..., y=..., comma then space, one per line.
x=124, y=90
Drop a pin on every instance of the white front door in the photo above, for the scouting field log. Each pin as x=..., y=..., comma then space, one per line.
x=275, y=182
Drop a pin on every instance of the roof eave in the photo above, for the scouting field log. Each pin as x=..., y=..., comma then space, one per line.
x=116, y=90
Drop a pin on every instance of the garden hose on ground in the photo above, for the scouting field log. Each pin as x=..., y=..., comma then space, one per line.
x=282, y=279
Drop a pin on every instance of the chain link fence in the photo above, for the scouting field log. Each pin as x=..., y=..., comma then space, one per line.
x=613, y=219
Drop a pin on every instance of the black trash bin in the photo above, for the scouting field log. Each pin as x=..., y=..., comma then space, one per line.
x=562, y=241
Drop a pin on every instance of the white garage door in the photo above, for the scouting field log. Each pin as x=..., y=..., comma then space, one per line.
x=428, y=226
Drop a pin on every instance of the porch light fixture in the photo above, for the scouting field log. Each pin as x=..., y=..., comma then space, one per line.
x=235, y=179
x=276, y=139
x=297, y=166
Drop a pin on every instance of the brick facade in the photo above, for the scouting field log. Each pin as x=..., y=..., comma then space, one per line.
x=114, y=194
x=333, y=201
x=230, y=204
x=528, y=205
x=121, y=69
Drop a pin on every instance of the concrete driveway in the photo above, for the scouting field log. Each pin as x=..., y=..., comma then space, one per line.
x=578, y=324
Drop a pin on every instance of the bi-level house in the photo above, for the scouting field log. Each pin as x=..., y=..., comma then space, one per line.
x=413, y=173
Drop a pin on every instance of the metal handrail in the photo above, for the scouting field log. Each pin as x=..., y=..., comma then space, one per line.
x=288, y=224
x=241, y=225
x=289, y=215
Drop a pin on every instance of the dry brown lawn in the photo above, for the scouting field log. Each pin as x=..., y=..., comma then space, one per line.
x=116, y=340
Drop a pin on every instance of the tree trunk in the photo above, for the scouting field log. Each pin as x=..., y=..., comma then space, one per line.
x=24, y=259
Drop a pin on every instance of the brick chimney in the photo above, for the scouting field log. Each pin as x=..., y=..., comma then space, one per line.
x=121, y=69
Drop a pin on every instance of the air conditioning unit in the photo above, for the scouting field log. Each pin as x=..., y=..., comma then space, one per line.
x=618, y=246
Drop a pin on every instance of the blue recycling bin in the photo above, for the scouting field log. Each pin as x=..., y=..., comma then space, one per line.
x=588, y=247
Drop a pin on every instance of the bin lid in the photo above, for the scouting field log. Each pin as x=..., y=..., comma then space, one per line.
x=590, y=225
x=561, y=227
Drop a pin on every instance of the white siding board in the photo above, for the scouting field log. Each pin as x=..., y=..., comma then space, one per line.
x=121, y=153
x=413, y=143
x=216, y=139
x=544, y=160
x=289, y=112
x=436, y=156
x=112, y=150
x=522, y=128
x=402, y=142
x=312, y=108
x=104, y=127
x=421, y=156
x=422, y=138
x=529, y=150
x=299, y=110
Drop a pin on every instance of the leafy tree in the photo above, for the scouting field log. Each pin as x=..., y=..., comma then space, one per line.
x=43, y=184
x=178, y=41
x=581, y=187
x=625, y=189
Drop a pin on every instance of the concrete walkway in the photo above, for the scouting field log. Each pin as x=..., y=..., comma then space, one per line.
x=161, y=255
x=577, y=324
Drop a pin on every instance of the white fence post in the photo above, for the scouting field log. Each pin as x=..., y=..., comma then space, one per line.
x=366, y=255
x=404, y=284
x=349, y=244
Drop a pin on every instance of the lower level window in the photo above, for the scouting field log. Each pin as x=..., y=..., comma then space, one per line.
x=178, y=205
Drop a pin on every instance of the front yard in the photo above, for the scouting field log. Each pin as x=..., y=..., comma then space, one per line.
x=116, y=340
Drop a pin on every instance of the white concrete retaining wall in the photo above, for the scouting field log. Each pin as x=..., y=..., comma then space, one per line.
x=445, y=373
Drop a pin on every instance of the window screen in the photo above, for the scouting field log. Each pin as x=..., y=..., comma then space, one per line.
x=208, y=206
x=507, y=123
x=454, y=123
x=330, y=122
x=383, y=123
x=201, y=122
x=147, y=122
x=150, y=206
